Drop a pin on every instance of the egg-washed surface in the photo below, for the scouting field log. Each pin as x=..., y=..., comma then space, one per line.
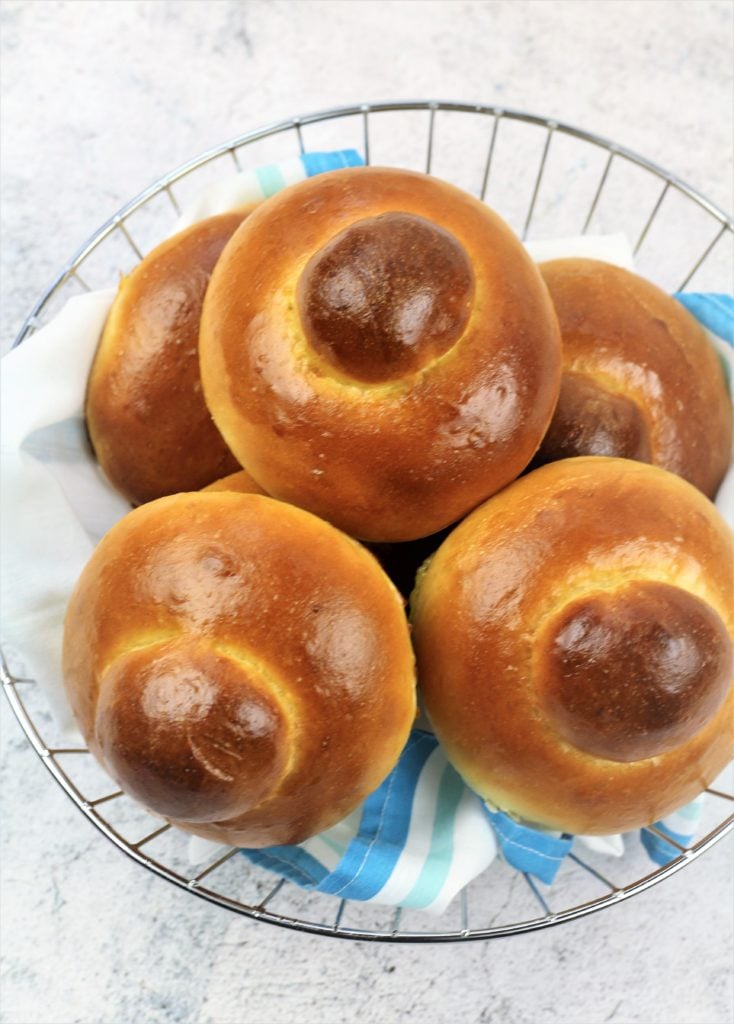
x=239, y=666
x=149, y=425
x=633, y=672
x=383, y=455
x=640, y=379
x=538, y=621
x=387, y=296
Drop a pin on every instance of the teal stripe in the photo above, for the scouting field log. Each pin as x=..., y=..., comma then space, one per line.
x=383, y=829
x=714, y=311
x=271, y=179
x=441, y=853
x=689, y=812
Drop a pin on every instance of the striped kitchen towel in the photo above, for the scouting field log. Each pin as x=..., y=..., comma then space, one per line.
x=529, y=849
x=541, y=854
x=252, y=186
x=415, y=842
x=424, y=835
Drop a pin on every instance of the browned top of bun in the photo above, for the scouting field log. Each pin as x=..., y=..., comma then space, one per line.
x=239, y=666
x=574, y=644
x=641, y=380
x=148, y=422
x=377, y=347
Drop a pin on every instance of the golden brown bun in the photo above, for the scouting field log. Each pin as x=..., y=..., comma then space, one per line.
x=149, y=425
x=239, y=666
x=378, y=348
x=640, y=381
x=574, y=645
x=240, y=481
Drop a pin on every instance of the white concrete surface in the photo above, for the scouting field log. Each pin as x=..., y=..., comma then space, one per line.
x=98, y=99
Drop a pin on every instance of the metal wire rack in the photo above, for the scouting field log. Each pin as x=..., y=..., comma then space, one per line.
x=547, y=179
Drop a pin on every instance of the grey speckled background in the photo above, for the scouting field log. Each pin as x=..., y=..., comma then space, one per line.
x=98, y=99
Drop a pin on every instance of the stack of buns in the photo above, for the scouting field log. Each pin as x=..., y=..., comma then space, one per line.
x=310, y=398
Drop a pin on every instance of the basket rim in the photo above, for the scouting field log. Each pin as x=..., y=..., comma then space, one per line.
x=116, y=221
x=296, y=122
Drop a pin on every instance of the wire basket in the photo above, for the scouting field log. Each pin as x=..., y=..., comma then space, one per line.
x=548, y=180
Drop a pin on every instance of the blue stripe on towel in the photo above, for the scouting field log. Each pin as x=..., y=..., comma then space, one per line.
x=374, y=851
x=290, y=861
x=657, y=849
x=317, y=163
x=716, y=312
x=529, y=849
x=681, y=826
x=441, y=854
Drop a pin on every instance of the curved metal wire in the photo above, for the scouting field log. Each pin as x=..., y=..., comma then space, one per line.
x=97, y=810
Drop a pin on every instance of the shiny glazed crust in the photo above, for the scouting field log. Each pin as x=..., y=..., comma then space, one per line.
x=640, y=380
x=240, y=667
x=149, y=425
x=402, y=456
x=572, y=648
